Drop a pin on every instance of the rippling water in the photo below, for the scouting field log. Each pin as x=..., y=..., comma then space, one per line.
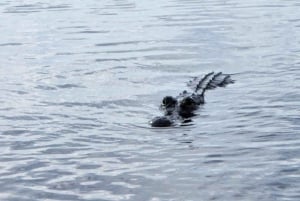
x=80, y=80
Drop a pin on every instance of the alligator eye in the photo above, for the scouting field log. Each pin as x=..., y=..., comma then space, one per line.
x=169, y=101
x=189, y=101
x=164, y=101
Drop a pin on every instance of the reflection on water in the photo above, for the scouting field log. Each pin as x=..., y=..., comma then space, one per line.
x=80, y=80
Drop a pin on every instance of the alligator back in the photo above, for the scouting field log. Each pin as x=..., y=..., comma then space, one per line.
x=209, y=81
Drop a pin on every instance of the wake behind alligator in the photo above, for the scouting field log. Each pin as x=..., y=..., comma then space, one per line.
x=181, y=108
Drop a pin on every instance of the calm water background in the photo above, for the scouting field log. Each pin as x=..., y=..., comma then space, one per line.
x=80, y=80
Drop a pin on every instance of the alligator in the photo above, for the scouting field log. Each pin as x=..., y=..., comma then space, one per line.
x=183, y=107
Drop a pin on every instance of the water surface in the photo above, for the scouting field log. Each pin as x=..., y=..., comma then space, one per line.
x=80, y=80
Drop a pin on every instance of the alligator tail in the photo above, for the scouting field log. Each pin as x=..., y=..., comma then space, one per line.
x=203, y=82
x=211, y=84
x=217, y=80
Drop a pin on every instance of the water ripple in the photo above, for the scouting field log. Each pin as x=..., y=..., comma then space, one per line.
x=80, y=81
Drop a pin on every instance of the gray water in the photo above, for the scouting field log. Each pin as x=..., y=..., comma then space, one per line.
x=80, y=80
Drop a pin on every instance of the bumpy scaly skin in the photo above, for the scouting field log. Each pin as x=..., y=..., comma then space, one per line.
x=183, y=106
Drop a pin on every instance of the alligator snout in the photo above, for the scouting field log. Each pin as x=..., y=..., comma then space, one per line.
x=161, y=122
